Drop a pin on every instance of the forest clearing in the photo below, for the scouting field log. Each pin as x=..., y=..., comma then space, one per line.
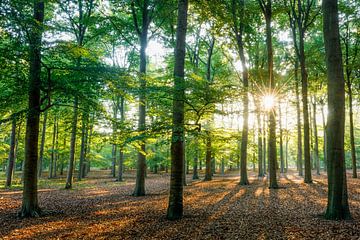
x=101, y=208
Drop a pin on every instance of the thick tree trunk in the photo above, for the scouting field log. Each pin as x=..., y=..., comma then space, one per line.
x=304, y=92
x=337, y=207
x=141, y=161
x=11, y=159
x=266, y=8
x=42, y=144
x=69, y=178
x=175, y=207
x=30, y=207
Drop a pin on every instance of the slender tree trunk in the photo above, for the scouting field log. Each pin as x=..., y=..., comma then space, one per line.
x=184, y=165
x=316, y=140
x=88, y=166
x=324, y=145
x=196, y=159
x=121, y=150
x=114, y=147
x=175, y=207
x=299, y=131
x=83, y=146
x=56, y=157
x=208, y=158
x=282, y=164
x=264, y=143
x=42, y=144
x=338, y=206
x=30, y=207
x=352, y=135
x=260, y=144
x=69, y=178
x=11, y=159
x=51, y=166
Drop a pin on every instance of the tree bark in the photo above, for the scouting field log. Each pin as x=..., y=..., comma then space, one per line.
x=304, y=92
x=282, y=164
x=208, y=158
x=316, y=140
x=121, y=150
x=141, y=161
x=82, y=147
x=239, y=34
x=52, y=159
x=69, y=178
x=196, y=159
x=267, y=11
x=11, y=159
x=42, y=144
x=175, y=207
x=324, y=145
x=30, y=207
x=337, y=207
x=299, y=130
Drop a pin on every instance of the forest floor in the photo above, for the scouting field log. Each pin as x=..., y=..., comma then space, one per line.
x=100, y=208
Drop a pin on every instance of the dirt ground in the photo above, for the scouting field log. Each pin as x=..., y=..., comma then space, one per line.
x=100, y=208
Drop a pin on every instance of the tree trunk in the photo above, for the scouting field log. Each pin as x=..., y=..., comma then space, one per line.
x=42, y=145
x=351, y=121
x=337, y=207
x=298, y=114
x=121, y=150
x=51, y=166
x=175, y=207
x=304, y=92
x=282, y=164
x=324, y=145
x=56, y=157
x=316, y=141
x=208, y=158
x=239, y=31
x=264, y=144
x=30, y=207
x=141, y=161
x=83, y=146
x=196, y=159
x=260, y=148
x=11, y=159
x=69, y=178
x=267, y=11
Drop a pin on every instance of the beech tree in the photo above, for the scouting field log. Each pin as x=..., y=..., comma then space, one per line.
x=30, y=207
x=337, y=206
x=175, y=207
